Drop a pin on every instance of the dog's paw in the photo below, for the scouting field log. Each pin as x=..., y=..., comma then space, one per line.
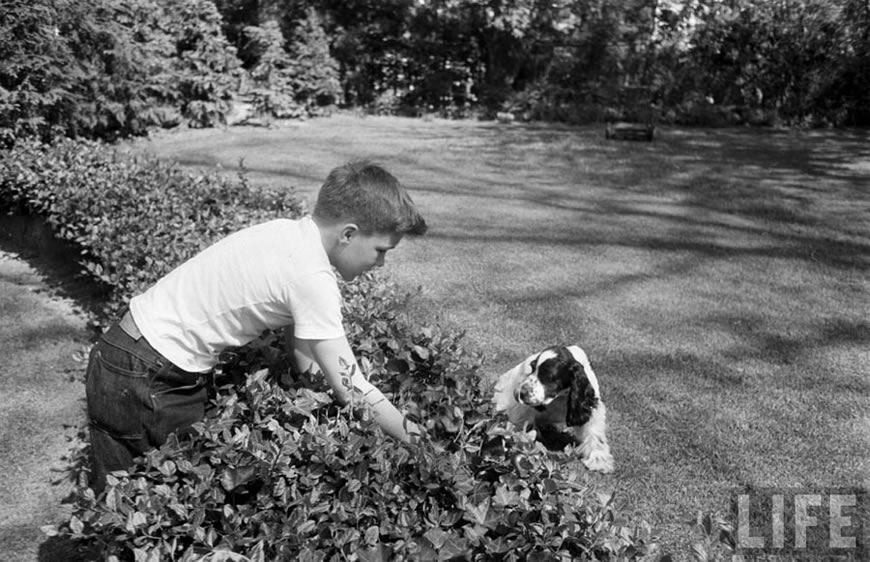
x=599, y=461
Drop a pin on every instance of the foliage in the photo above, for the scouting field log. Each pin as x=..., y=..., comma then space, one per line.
x=272, y=92
x=368, y=39
x=133, y=218
x=760, y=62
x=104, y=68
x=76, y=68
x=107, y=68
x=280, y=473
x=205, y=64
x=290, y=82
x=770, y=56
x=314, y=72
x=717, y=541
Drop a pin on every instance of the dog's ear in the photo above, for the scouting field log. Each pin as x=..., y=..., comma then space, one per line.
x=581, y=397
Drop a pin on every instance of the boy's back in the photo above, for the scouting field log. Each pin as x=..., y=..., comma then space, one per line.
x=260, y=278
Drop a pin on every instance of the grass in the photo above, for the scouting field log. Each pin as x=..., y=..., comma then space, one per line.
x=43, y=328
x=716, y=278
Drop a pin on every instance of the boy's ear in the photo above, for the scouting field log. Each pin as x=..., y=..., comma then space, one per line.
x=347, y=232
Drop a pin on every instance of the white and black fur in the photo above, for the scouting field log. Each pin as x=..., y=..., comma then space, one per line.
x=556, y=393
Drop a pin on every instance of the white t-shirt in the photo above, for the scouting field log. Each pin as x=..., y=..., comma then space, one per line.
x=262, y=277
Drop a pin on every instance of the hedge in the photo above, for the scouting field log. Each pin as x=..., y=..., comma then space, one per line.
x=278, y=472
x=133, y=218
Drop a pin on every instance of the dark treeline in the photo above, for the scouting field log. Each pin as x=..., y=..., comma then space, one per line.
x=115, y=67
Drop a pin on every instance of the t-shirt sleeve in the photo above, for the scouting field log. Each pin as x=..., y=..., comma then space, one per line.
x=316, y=307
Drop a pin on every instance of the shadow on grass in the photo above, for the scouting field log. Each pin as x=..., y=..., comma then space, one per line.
x=31, y=239
x=714, y=193
x=771, y=184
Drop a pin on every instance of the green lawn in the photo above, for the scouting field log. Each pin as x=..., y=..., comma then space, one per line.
x=717, y=279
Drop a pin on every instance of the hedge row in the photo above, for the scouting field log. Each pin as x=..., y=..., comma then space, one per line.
x=279, y=472
x=133, y=218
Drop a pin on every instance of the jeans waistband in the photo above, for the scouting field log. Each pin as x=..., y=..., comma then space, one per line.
x=129, y=326
x=171, y=372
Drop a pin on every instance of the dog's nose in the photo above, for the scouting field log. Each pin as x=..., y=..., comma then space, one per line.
x=529, y=393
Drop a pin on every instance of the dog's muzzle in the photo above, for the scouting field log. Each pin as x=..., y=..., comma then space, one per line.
x=531, y=393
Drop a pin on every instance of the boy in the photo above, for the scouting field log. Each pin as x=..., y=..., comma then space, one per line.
x=147, y=375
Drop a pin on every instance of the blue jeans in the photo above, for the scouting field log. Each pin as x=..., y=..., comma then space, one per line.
x=136, y=398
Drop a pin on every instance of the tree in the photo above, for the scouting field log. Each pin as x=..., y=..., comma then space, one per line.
x=272, y=94
x=313, y=71
x=205, y=69
x=80, y=68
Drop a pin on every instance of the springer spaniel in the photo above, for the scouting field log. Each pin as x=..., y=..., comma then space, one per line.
x=556, y=393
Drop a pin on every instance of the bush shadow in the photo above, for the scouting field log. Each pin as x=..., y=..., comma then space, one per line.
x=31, y=239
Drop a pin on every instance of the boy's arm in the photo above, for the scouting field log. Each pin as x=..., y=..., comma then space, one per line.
x=336, y=360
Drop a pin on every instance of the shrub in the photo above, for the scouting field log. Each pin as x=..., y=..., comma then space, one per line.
x=133, y=218
x=280, y=473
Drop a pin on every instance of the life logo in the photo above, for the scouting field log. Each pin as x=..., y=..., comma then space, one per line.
x=803, y=522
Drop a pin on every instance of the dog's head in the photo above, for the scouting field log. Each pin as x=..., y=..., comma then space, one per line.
x=556, y=372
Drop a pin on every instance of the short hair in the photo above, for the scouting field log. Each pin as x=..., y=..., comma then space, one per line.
x=365, y=193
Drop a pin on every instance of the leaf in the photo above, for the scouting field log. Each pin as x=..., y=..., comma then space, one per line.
x=76, y=525
x=453, y=548
x=257, y=553
x=379, y=553
x=232, y=478
x=223, y=556
x=167, y=468
x=550, y=486
x=372, y=535
x=135, y=520
x=504, y=497
x=478, y=512
x=421, y=352
x=437, y=537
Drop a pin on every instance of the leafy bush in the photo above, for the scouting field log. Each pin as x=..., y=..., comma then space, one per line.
x=280, y=473
x=133, y=218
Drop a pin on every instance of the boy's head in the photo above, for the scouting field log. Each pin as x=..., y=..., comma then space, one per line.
x=365, y=194
x=364, y=212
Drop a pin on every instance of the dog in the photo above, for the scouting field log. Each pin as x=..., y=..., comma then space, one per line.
x=556, y=393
